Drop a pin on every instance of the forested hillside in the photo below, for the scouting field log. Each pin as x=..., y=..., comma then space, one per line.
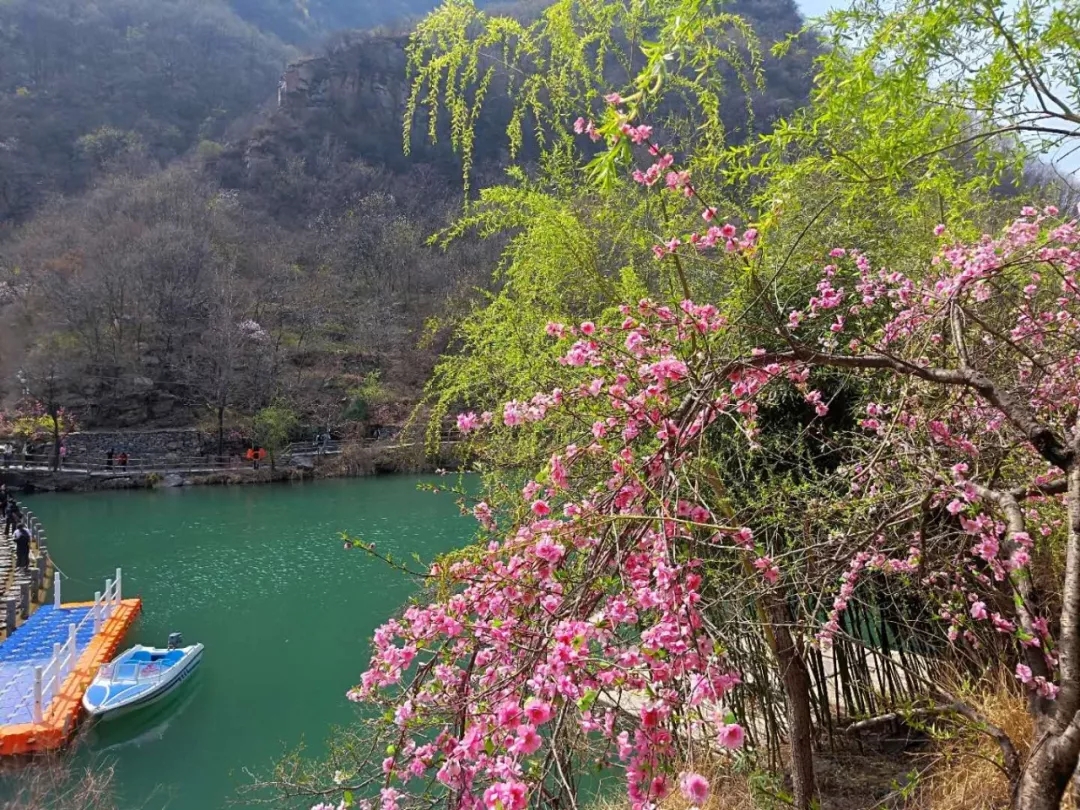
x=202, y=221
x=85, y=87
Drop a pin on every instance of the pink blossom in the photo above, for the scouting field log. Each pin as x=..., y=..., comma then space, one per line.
x=527, y=741
x=978, y=611
x=538, y=712
x=731, y=735
x=638, y=134
x=659, y=788
x=1023, y=672
x=1019, y=559
x=467, y=422
x=389, y=798
x=511, y=795
x=768, y=569
x=548, y=550
x=613, y=98
x=1045, y=688
x=540, y=507
x=512, y=413
x=508, y=714
x=695, y=788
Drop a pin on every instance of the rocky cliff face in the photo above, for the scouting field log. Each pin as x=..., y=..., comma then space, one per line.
x=336, y=117
x=331, y=110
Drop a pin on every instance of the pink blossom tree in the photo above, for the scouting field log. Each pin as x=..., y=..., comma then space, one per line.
x=583, y=624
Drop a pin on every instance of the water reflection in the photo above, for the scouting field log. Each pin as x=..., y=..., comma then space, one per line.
x=145, y=726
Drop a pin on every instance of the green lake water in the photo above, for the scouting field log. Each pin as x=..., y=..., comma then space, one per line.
x=259, y=576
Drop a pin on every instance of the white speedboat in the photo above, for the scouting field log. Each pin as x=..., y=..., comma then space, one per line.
x=140, y=676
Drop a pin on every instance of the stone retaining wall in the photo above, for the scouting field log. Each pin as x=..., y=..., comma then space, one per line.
x=93, y=445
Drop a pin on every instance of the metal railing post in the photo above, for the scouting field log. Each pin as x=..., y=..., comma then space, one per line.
x=38, y=714
x=118, y=597
x=97, y=612
x=56, y=589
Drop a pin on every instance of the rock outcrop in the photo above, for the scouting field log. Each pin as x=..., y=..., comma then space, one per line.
x=343, y=105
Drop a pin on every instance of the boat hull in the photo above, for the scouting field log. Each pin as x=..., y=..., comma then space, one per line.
x=117, y=692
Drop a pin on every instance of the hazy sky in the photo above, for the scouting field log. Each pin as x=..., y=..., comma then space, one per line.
x=812, y=8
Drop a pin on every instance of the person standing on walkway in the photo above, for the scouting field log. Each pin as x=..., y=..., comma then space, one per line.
x=4, y=498
x=109, y=459
x=63, y=454
x=123, y=460
x=22, y=546
x=12, y=516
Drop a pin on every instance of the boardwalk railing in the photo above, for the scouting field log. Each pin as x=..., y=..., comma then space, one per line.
x=335, y=447
x=330, y=448
x=20, y=589
x=83, y=463
x=48, y=678
x=43, y=462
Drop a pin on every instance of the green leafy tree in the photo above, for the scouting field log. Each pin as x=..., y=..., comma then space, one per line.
x=870, y=164
x=931, y=106
x=272, y=428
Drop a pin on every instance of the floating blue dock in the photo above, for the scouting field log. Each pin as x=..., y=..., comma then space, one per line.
x=32, y=646
x=50, y=660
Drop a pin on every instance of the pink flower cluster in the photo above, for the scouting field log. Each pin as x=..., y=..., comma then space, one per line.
x=597, y=591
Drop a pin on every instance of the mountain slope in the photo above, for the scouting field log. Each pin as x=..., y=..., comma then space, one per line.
x=86, y=85
x=282, y=256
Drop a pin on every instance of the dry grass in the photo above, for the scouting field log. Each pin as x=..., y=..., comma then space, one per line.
x=53, y=782
x=727, y=792
x=847, y=780
x=959, y=766
x=967, y=776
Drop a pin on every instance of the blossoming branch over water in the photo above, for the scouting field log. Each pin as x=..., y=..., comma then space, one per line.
x=597, y=593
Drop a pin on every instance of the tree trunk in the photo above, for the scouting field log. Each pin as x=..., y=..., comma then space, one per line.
x=56, y=439
x=1047, y=774
x=220, y=432
x=1057, y=733
x=796, y=680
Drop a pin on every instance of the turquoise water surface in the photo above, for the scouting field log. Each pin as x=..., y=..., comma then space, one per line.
x=260, y=576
